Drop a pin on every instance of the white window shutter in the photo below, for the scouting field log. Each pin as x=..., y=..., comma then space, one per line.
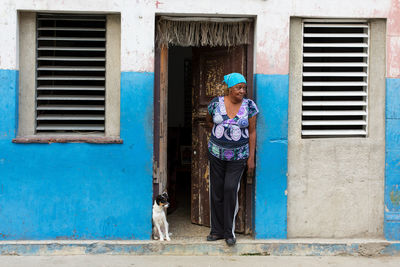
x=70, y=73
x=335, y=78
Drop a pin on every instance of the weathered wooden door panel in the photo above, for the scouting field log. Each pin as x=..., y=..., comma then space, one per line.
x=209, y=67
x=160, y=121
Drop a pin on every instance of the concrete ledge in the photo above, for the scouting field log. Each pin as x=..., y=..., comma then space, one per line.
x=303, y=247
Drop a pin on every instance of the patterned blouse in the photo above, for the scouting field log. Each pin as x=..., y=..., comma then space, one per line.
x=230, y=137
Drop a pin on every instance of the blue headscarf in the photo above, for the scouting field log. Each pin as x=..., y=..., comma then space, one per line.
x=233, y=79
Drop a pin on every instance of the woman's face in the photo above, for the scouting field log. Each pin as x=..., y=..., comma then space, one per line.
x=238, y=91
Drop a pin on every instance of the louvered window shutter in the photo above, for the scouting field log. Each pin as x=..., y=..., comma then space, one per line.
x=70, y=74
x=335, y=78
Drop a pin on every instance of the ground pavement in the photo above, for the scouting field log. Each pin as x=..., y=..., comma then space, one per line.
x=203, y=261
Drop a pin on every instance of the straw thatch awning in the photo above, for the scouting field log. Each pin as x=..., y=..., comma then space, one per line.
x=203, y=31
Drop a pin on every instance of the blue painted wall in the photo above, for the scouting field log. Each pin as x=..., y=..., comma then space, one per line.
x=272, y=96
x=78, y=190
x=104, y=191
x=392, y=166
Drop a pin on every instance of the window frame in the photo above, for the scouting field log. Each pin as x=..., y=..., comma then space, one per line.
x=27, y=85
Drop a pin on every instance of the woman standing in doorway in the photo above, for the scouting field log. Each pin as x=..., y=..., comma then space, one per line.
x=231, y=147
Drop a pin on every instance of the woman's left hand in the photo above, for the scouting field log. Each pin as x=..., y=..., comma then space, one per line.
x=250, y=166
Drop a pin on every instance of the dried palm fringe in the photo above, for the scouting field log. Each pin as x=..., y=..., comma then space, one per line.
x=202, y=33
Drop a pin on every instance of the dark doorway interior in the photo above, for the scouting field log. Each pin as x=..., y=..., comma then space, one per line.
x=180, y=143
x=179, y=127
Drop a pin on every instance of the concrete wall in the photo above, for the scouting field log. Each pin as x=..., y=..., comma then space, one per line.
x=104, y=191
x=336, y=185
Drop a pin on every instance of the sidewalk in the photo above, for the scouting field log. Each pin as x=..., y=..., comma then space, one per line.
x=195, y=261
x=200, y=247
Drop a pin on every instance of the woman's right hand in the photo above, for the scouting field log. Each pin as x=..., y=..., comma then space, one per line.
x=250, y=166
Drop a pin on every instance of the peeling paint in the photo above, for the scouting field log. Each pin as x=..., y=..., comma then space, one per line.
x=395, y=198
x=157, y=3
x=272, y=54
x=393, y=55
x=393, y=23
x=283, y=141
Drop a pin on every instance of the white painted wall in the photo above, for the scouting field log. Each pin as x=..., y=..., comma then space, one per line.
x=271, y=35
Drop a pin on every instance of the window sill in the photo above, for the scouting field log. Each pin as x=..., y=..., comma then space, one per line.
x=67, y=139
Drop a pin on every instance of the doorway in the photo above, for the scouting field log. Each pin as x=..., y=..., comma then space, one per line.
x=186, y=79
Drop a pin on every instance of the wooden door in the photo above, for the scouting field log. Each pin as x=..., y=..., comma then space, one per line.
x=209, y=67
x=160, y=121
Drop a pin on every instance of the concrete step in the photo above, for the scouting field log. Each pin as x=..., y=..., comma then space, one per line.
x=198, y=247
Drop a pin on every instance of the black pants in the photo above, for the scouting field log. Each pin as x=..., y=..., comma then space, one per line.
x=224, y=187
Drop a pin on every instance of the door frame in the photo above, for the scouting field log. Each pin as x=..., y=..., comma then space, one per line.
x=161, y=120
